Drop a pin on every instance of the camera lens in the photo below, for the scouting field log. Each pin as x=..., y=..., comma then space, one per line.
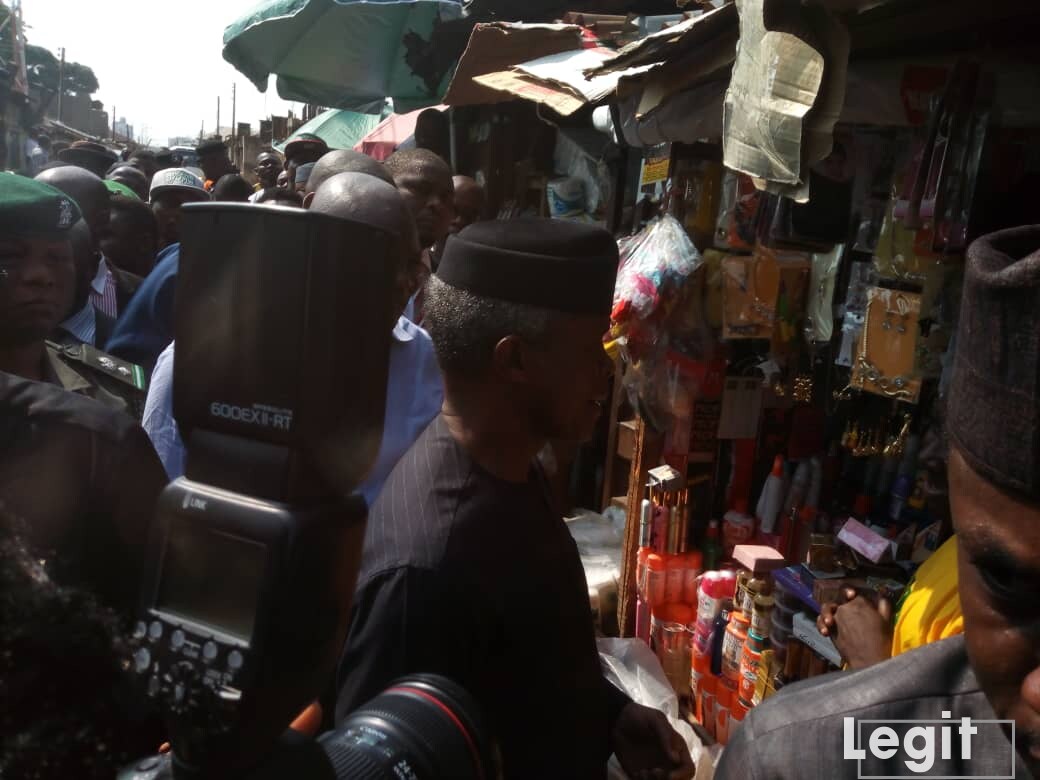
x=422, y=726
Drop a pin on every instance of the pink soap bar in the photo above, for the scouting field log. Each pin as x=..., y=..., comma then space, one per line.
x=758, y=558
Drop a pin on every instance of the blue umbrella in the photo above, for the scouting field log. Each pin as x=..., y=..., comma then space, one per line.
x=348, y=54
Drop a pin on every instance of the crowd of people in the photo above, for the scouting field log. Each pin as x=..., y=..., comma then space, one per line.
x=495, y=350
x=487, y=363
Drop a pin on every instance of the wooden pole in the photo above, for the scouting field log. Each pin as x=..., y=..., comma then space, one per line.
x=648, y=448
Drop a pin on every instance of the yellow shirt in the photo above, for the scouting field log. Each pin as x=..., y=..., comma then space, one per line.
x=932, y=608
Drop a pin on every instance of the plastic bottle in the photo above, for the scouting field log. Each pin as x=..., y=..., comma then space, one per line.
x=691, y=571
x=709, y=601
x=656, y=580
x=733, y=644
x=675, y=578
x=769, y=503
x=712, y=547
x=738, y=527
x=799, y=487
x=724, y=698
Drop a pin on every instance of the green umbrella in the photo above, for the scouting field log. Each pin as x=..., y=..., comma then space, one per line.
x=339, y=129
x=348, y=54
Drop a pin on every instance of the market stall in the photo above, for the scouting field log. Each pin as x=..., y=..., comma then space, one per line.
x=788, y=293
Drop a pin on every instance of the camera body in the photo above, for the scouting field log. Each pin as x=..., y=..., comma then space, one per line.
x=283, y=321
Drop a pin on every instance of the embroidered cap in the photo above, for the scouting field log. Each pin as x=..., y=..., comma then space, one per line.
x=32, y=208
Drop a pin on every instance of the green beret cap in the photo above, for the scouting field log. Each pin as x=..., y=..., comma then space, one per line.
x=29, y=207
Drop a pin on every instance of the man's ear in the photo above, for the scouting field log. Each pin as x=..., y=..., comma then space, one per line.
x=307, y=200
x=512, y=360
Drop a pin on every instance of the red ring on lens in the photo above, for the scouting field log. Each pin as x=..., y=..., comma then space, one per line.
x=454, y=719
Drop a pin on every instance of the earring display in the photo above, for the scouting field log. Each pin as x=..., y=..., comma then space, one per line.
x=885, y=362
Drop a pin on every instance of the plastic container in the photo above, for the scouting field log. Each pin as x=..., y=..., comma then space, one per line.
x=755, y=587
x=738, y=527
x=749, y=664
x=756, y=642
x=656, y=580
x=724, y=698
x=693, y=570
x=708, y=688
x=710, y=595
x=733, y=645
x=670, y=640
x=675, y=578
x=700, y=670
x=738, y=710
x=761, y=615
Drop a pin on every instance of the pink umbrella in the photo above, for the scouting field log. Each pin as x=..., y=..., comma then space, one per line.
x=389, y=134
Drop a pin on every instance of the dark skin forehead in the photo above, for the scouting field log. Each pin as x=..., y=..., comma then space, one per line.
x=425, y=177
x=264, y=157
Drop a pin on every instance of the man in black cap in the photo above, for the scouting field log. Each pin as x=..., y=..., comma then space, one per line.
x=214, y=161
x=993, y=671
x=467, y=570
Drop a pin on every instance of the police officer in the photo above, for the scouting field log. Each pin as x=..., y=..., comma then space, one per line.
x=37, y=290
x=82, y=475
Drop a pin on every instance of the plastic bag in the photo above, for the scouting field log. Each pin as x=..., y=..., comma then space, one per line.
x=654, y=265
x=657, y=308
x=632, y=666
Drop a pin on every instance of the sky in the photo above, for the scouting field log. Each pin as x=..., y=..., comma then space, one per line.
x=158, y=63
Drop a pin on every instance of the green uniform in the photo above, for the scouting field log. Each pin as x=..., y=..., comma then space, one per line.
x=88, y=371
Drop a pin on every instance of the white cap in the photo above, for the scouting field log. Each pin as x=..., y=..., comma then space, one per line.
x=179, y=179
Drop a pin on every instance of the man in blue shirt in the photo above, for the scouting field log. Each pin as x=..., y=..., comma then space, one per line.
x=414, y=390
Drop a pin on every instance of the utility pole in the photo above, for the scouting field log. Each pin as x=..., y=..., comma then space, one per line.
x=202, y=130
x=61, y=82
x=218, y=115
x=234, y=130
x=113, y=121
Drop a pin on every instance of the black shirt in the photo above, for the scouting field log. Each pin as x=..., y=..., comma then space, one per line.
x=475, y=578
x=85, y=479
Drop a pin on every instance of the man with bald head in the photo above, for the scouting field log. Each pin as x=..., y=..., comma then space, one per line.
x=470, y=203
x=111, y=287
x=268, y=165
x=414, y=391
x=131, y=177
x=342, y=161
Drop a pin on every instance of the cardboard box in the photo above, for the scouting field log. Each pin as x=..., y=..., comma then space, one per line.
x=497, y=47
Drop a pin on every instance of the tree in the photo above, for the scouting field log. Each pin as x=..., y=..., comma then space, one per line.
x=43, y=69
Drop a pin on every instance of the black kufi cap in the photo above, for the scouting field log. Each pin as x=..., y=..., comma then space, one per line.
x=549, y=263
x=210, y=145
x=994, y=403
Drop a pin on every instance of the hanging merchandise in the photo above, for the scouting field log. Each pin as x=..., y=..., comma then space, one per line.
x=886, y=362
x=738, y=213
x=819, y=311
x=752, y=285
x=653, y=280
